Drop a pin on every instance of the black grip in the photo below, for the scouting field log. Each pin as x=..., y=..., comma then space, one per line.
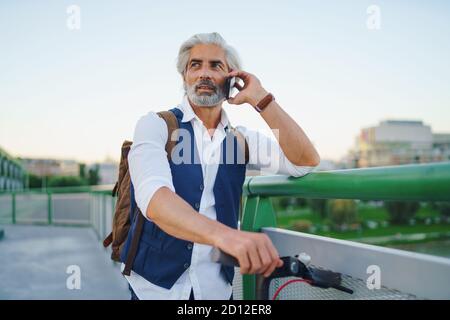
x=219, y=256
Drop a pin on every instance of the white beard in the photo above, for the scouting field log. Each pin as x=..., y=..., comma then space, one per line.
x=204, y=99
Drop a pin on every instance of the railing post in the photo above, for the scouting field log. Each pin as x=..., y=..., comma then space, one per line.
x=94, y=210
x=13, y=217
x=104, y=217
x=111, y=216
x=91, y=210
x=49, y=207
x=257, y=213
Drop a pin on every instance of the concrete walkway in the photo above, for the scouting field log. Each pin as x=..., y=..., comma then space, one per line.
x=34, y=262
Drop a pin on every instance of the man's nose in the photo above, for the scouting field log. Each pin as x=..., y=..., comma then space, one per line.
x=205, y=73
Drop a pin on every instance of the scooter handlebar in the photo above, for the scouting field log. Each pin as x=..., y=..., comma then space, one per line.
x=291, y=267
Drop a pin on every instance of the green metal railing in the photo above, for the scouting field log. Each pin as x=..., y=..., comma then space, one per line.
x=15, y=205
x=423, y=182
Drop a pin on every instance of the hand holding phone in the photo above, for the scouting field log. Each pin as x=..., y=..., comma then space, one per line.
x=252, y=92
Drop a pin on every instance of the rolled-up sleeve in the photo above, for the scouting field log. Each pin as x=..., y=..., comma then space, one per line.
x=266, y=155
x=147, y=160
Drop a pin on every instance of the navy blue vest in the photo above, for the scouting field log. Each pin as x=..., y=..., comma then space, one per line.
x=162, y=258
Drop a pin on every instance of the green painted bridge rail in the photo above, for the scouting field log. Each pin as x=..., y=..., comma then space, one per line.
x=423, y=182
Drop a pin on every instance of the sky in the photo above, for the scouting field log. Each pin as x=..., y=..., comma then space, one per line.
x=70, y=93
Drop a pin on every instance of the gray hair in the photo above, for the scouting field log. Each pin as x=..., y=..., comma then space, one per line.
x=231, y=56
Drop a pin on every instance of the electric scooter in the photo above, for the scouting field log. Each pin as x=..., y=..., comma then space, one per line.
x=297, y=266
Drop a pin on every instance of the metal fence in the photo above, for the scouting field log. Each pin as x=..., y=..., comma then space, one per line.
x=88, y=207
x=101, y=213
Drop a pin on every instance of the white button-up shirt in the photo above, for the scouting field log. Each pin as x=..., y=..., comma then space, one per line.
x=150, y=170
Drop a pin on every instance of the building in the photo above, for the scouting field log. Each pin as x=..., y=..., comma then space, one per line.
x=51, y=167
x=395, y=142
x=441, y=146
x=12, y=174
x=108, y=171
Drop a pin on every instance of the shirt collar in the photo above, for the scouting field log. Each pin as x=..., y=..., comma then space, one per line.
x=189, y=114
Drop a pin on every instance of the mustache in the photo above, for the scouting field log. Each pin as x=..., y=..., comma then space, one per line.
x=206, y=83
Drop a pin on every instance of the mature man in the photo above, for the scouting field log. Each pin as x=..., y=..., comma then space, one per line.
x=192, y=207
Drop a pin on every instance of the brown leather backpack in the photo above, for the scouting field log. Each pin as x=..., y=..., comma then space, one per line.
x=121, y=221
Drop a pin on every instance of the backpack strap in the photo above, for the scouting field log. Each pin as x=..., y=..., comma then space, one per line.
x=172, y=134
x=172, y=138
x=134, y=242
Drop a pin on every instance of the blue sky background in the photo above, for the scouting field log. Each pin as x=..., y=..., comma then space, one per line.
x=78, y=93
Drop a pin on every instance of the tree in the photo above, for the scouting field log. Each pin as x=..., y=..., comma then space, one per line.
x=442, y=207
x=34, y=181
x=93, y=175
x=66, y=181
x=285, y=202
x=342, y=212
x=319, y=206
x=82, y=170
x=401, y=212
x=301, y=202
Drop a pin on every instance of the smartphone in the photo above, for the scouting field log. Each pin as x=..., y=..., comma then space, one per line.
x=229, y=87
